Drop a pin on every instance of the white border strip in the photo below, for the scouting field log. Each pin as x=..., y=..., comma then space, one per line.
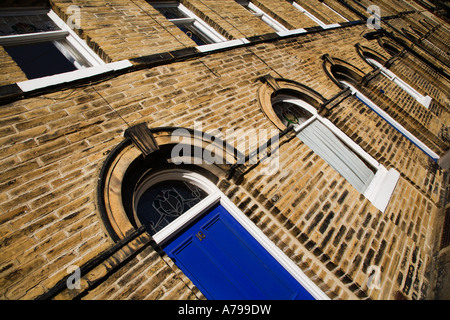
x=331, y=26
x=276, y=252
x=43, y=82
x=424, y=100
x=222, y=45
x=382, y=186
x=308, y=14
x=340, y=15
x=271, y=22
x=291, y=32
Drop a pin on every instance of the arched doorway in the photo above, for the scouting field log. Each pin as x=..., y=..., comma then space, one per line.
x=196, y=225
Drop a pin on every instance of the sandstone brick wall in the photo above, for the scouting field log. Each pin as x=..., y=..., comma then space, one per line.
x=230, y=18
x=125, y=30
x=53, y=146
x=342, y=10
x=25, y=3
x=321, y=12
x=284, y=12
x=11, y=72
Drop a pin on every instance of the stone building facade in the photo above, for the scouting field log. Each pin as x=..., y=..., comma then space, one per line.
x=76, y=147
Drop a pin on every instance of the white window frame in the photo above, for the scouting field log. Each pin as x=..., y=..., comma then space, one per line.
x=271, y=22
x=67, y=77
x=423, y=100
x=216, y=196
x=382, y=186
x=218, y=41
x=422, y=146
x=205, y=29
x=66, y=40
x=89, y=64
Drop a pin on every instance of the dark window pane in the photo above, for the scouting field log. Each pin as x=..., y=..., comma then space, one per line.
x=40, y=59
x=192, y=33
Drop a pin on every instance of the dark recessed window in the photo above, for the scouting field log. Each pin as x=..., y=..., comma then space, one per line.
x=194, y=27
x=42, y=44
x=40, y=59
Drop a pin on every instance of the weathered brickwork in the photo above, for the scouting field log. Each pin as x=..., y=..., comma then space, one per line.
x=321, y=12
x=11, y=72
x=388, y=8
x=230, y=18
x=285, y=13
x=435, y=89
x=54, y=144
x=136, y=24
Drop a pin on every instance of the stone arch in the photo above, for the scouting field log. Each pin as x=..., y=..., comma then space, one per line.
x=272, y=87
x=390, y=47
x=368, y=53
x=127, y=165
x=339, y=70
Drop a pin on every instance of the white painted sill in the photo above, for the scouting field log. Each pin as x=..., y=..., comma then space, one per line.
x=222, y=45
x=300, y=31
x=382, y=187
x=291, y=32
x=39, y=83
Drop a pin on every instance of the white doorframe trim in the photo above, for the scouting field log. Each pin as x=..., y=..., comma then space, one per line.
x=215, y=196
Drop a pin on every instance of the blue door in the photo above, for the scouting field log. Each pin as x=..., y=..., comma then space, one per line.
x=226, y=263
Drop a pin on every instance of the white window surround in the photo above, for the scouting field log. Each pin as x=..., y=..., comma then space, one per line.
x=80, y=45
x=340, y=15
x=216, y=196
x=423, y=100
x=383, y=184
x=331, y=26
x=198, y=23
x=67, y=41
x=271, y=22
x=216, y=39
x=301, y=30
x=392, y=122
x=308, y=14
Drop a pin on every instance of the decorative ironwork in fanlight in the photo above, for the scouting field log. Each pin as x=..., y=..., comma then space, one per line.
x=163, y=202
x=291, y=113
x=17, y=25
